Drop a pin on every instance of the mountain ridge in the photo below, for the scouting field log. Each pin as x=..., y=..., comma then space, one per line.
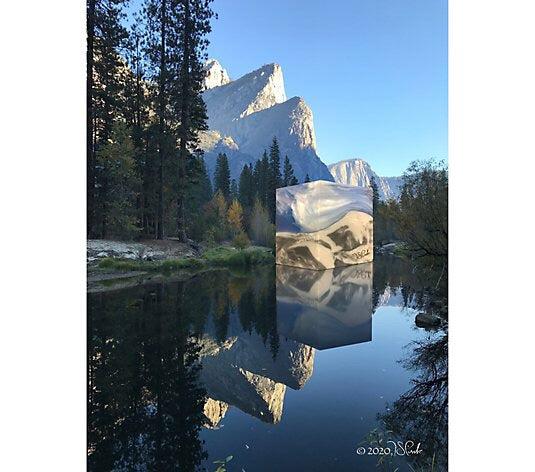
x=358, y=172
x=253, y=109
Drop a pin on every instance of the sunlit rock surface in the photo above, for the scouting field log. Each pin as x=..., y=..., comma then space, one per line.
x=322, y=225
x=245, y=114
x=243, y=371
x=325, y=309
x=251, y=393
x=214, y=410
x=215, y=74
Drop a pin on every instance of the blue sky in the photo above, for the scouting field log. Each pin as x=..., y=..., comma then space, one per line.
x=374, y=72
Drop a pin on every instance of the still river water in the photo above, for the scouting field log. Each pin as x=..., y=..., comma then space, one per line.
x=282, y=369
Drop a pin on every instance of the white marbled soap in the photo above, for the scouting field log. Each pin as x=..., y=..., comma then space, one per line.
x=322, y=225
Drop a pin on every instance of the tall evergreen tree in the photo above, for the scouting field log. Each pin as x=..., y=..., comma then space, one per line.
x=275, y=164
x=375, y=193
x=193, y=24
x=160, y=50
x=149, y=78
x=275, y=177
x=261, y=178
x=307, y=178
x=233, y=190
x=246, y=189
x=121, y=184
x=137, y=115
x=198, y=194
x=288, y=174
x=176, y=49
x=105, y=37
x=222, y=176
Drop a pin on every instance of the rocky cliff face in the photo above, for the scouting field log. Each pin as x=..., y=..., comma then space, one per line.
x=215, y=74
x=358, y=172
x=250, y=111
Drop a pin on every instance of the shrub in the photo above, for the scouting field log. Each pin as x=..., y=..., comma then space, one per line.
x=241, y=241
x=262, y=230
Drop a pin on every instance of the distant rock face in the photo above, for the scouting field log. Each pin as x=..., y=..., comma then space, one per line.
x=253, y=92
x=215, y=75
x=358, y=172
x=322, y=225
x=251, y=111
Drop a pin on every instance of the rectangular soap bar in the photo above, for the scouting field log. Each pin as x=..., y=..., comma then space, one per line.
x=321, y=225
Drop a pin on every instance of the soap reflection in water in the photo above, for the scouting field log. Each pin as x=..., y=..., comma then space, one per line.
x=325, y=309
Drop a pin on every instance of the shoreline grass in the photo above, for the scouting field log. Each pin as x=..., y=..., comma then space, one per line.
x=216, y=257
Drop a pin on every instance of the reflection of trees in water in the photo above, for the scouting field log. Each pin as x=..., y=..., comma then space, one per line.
x=257, y=308
x=145, y=405
x=145, y=402
x=420, y=414
x=423, y=288
x=250, y=294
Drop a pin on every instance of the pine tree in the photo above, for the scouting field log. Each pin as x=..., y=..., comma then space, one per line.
x=233, y=190
x=375, y=193
x=158, y=17
x=274, y=179
x=307, y=178
x=105, y=37
x=246, y=189
x=288, y=175
x=193, y=21
x=117, y=204
x=137, y=113
x=222, y=176
x=275, y=164
x=198, y=194
x=261, y=178
x=176, y=45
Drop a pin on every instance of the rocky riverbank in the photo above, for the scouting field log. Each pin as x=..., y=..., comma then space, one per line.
x=119, y=264
x=150, y=250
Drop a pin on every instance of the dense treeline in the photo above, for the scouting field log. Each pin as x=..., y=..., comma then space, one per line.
x=245, y=210
x=146, y=174
x=420, y=217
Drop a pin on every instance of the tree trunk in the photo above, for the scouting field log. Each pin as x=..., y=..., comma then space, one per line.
x=90, y=157
x=184, y=125
x=161, y=112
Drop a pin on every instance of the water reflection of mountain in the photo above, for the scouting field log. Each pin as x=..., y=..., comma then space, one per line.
x=242, y=371
x=163, y=355
x=315, y=310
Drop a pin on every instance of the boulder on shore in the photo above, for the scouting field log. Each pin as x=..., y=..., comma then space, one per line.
x=424, y=320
